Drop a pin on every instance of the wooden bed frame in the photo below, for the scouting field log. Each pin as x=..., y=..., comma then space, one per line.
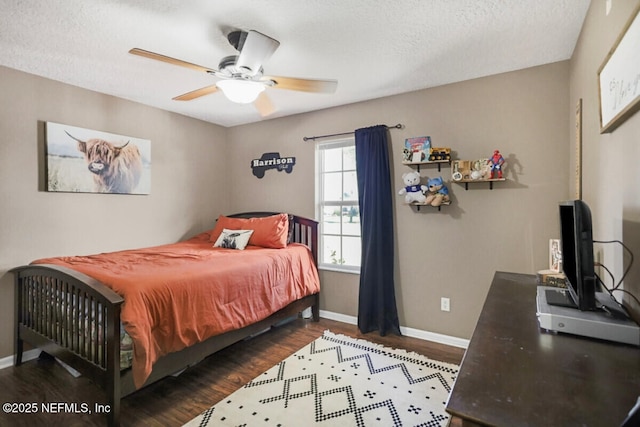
x=40, y=288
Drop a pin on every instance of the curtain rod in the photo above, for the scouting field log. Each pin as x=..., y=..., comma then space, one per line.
x=313, y=138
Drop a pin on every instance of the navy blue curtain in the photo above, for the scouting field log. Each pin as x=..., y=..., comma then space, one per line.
x=376, y=301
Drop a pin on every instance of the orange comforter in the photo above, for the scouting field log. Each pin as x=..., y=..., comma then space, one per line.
x=180, y=294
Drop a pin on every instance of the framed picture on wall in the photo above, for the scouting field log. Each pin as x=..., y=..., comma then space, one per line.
x=82, y=160
x=619, y=77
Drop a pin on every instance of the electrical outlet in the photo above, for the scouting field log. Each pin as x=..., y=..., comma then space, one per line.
x=445, y=304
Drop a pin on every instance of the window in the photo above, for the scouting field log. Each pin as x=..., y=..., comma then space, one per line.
x=337, y=204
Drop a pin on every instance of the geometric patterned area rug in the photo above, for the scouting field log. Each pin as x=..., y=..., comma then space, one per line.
x=340, y=381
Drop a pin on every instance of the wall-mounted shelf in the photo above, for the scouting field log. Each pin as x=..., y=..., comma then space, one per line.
x=467, y=181
x=434, y=162
x=418, y=153
x=418, y=205
x=474, y=171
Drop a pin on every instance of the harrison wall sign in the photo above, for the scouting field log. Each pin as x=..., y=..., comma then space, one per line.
x=272, y=161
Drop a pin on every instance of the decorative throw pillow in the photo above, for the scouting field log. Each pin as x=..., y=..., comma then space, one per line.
x=233, y=239
x=269, y=232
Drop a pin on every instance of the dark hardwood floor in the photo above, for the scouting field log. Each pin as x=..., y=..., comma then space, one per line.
x=174, y=401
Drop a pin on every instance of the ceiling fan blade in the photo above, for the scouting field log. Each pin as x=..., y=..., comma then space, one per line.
x=196, y=93
x=256, y=50
x=304, y=85
x=169, y=60
x=264, y=105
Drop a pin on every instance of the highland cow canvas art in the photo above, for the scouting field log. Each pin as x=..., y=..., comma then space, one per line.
x=88, y=161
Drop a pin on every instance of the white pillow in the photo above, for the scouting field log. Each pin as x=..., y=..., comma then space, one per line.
x=233, y=239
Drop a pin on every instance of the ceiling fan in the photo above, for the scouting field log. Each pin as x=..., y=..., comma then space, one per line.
x=241, y=76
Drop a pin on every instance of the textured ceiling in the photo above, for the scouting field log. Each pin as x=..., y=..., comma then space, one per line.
x=373, y=48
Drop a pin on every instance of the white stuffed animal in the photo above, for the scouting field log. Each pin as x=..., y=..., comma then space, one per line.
x=413, y=191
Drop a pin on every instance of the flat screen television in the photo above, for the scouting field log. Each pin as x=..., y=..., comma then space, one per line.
x=576, y=243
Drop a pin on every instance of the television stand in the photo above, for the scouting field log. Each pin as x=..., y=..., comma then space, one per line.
x=559, y=297
x=610, y=325
x=514, y=374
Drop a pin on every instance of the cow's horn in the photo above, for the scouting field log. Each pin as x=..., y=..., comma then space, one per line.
x=79, y=140
x=125, y=145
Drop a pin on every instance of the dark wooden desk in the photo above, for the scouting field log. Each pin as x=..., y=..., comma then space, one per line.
x=514, y=374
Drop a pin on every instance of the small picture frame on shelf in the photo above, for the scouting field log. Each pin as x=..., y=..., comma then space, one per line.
x=555, y=255
x=417, y=149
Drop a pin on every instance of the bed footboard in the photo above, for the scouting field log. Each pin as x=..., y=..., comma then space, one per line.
x=73, y=317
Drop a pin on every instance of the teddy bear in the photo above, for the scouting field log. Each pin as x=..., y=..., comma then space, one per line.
x=438, y=193
x=413, y=191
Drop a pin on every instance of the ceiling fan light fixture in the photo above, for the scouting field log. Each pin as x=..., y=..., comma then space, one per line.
x=240, y=91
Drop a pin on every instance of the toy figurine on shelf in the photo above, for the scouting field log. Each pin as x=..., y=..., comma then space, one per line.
x=412, y=191
x=496, y=161
x=438, y=193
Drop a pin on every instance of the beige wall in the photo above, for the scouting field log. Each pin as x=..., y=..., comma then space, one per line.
x=610, y=161
x=455, y=252
x=188, y=190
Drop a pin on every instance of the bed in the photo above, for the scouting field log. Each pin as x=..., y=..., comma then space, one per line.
x=98, y=312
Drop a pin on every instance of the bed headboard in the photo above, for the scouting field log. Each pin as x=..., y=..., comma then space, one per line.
x=301, y=230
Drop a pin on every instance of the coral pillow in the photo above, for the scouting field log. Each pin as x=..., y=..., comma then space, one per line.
x=268, y=232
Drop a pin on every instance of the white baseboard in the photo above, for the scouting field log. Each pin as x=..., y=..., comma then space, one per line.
x=5, y=362
x=409, y=332
x=352, y=320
